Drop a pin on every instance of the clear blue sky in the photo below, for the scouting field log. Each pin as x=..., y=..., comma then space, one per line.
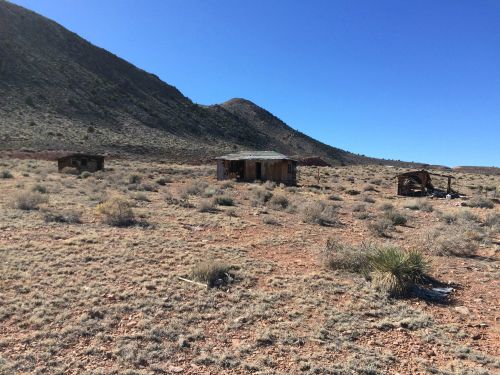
x=410, y=80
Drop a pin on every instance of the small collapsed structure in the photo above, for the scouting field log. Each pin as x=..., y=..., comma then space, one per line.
x=257, y=165
x=81, y=162
x=314, y=161
x=418, y=183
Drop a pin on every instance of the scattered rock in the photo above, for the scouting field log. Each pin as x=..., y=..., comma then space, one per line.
x=462, y=310
x=176, y=369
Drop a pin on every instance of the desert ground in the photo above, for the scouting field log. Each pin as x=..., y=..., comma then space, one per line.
x=156, y=268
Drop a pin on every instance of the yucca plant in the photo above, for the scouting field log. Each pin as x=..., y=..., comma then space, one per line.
x=210, y=272
x=396, y=271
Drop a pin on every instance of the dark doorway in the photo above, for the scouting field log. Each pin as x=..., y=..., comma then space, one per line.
x=237, y=169
x=258, y=171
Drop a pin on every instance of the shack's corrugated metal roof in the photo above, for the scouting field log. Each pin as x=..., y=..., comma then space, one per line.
x=79, y=155
x=255, y=155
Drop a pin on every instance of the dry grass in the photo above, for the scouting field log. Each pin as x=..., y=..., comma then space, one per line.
x=28, y=201
x=116, y=211
x=320, y=213
x=93, y=298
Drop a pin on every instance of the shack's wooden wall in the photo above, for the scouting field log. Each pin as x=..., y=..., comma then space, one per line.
x=221, y=170
x=272, y=170
x=93, y=164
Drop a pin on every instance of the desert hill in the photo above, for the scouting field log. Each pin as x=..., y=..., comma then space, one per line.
x=60, y=92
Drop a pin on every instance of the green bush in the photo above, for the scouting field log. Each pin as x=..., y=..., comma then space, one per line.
x=396, y=271
x=210, y=272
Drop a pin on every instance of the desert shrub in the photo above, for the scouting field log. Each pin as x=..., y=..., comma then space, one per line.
x=396, y=218
x=492, y=220
x=206, y=205
x=451, y=243
x=162, y=181
x=381, y=227
x=134, y=179
x=39, y=189
x=319, y=213
x=270, y=220
x=6, y=174
x=279, y=202
x=70, y=170
x=480, y=202
x=27, y=200
x=369, y=188
x=260, y=196
x=67, y=217
x=141, y=197
x=359, y=207
x=448, y=218
x=116, y=211
x=146, y=187
x=212, y=273
x=376, y=181
x=224, y=200
x=352, y=192
x=334, y=197
x=85, y=174
x=362, y=215
x=386, y=207
x=227, y=185
x=368, y=199
x=395, y=271
x=269, y=185
x=419, y=204
x=339, y=256
x=467, y=217
x=194, y=188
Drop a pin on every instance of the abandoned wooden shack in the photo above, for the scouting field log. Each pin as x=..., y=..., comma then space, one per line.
x=81, y=162
x=419, y=183
x=257, y=165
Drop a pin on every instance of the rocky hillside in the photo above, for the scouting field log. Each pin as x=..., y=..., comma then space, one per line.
x=60, y=92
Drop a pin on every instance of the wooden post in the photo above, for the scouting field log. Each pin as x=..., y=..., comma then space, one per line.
x=448, y=190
